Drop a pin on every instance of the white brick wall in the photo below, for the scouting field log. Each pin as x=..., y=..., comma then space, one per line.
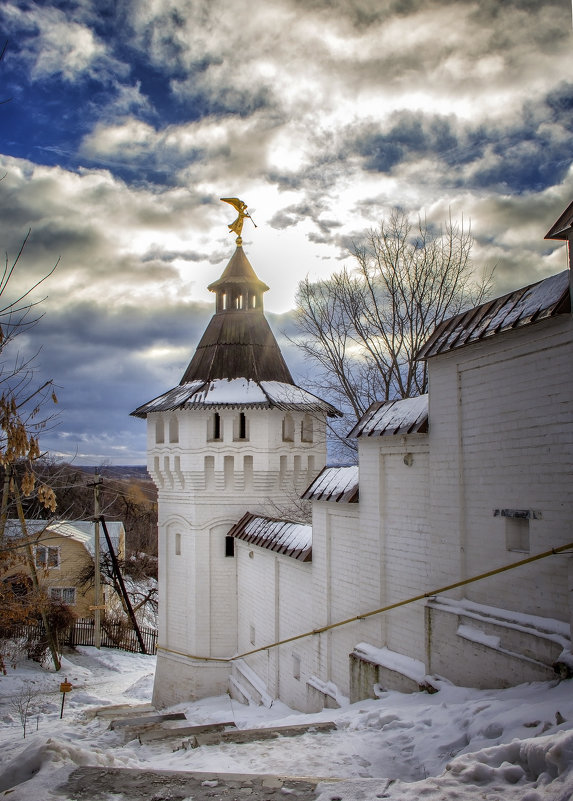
x=273, y=604
x=514, y=406
x=203, y=490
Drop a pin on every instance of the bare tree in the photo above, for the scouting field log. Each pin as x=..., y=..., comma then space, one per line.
x=363, y=328
x=23, y=705
x=22, y=418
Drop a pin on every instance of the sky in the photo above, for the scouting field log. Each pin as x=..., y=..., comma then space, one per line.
x=124, y=122
x=459, y=744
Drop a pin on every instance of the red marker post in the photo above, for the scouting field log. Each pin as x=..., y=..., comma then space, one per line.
x=65, y=687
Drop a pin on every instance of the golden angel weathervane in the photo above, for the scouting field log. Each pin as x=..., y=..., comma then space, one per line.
x=237, y=225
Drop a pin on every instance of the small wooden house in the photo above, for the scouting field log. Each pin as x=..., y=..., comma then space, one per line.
x=61, y=551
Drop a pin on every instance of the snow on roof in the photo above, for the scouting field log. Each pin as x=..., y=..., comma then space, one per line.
x=528, y=305
x=235, y=392
x=338, y=484
x=290, y=539
x=407, y=416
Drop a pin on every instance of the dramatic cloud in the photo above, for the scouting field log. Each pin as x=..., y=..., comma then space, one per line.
x=128, y=121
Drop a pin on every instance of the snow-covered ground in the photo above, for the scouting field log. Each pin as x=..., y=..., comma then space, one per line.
x=457, y=744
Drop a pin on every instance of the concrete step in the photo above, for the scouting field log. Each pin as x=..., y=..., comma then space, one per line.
x=121, y=710
x=252, y=735
x=146, y=720
x=99, y=784
x=165, y=731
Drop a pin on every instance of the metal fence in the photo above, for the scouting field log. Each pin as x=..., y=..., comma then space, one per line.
x=115, y=634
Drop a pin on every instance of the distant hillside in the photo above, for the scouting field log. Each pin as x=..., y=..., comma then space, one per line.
x=127, y=472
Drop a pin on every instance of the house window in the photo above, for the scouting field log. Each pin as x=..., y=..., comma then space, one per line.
x=159, y=432
x=288, y=428
x=47, y=556
x=177, y=543
x=66, y=595
x=306, y=429
x=20, y=584
x=229, y=546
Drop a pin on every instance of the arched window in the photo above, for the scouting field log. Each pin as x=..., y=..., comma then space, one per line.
x=288, y=428
x=306, y=432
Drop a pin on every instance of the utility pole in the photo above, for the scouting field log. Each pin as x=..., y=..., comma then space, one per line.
x=96, y=484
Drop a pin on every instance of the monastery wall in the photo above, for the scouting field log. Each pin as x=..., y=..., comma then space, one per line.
x=274, y=601
x=501, y=465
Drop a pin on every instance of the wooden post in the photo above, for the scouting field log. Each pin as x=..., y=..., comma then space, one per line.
x=97, y=576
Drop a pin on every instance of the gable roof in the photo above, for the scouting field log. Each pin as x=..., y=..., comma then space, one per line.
x=237, y=393
x=282, y=536
x=564, y=225
x=383, y=419
x=339, y=484
x=81, y=531
x=517, y=309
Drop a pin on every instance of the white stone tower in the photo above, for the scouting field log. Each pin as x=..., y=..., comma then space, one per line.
x=236, y=435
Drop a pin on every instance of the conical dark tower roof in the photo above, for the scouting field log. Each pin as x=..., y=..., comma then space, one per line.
x=238, y=362
x=238, y=342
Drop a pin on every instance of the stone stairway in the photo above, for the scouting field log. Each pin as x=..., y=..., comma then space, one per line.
x=100, y=784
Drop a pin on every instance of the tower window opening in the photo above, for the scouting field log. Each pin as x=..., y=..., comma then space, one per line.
x=229, y=546
x=240, y=429
x=224, y=300
x=215, y=426
x=159, y=431
x=177, y=543
x=173, y=429
x=306, y=429
x=288, y=428
x=254, y=302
